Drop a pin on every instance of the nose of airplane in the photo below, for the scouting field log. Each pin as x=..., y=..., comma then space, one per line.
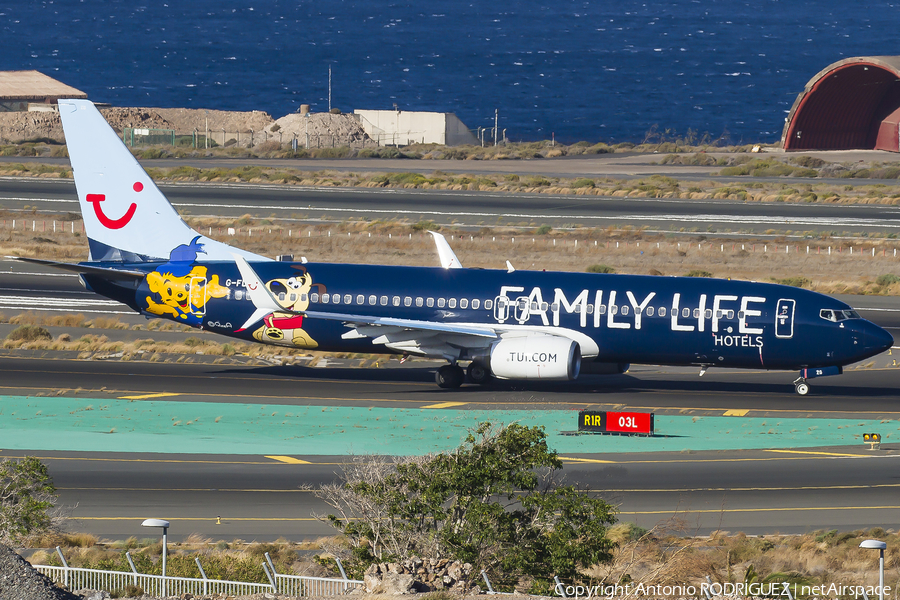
x=877, y=339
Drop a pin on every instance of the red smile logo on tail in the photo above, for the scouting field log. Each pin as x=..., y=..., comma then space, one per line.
x=119, y=223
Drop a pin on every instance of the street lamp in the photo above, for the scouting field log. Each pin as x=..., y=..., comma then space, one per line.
x=165, y=528
x=880, y=546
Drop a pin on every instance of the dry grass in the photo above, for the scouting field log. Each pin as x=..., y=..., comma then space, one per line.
x=624, y=248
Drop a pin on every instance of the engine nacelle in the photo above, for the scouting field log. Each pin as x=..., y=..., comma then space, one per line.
x=536, y=357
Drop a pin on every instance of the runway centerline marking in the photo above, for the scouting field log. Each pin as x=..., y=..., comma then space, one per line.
x=290, y=460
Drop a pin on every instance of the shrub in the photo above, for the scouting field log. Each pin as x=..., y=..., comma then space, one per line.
x=543, y=230
x=29, y=333
x=600, y=269
x=887, y=279
x=699, y=273
x=583, y=183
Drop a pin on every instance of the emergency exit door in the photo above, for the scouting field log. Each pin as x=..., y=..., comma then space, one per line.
x=784, y=318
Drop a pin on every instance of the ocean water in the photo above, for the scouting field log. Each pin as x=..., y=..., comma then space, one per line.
x=596, y=70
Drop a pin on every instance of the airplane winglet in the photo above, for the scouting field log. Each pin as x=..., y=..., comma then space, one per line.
x=445, y=252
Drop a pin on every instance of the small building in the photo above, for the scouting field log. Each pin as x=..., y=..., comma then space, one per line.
x=852, y=104
x=32, y=90
x=402, y=128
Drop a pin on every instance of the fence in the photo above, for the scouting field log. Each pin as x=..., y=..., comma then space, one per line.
x=75, y=578
x=544, y=241
x=135, y=136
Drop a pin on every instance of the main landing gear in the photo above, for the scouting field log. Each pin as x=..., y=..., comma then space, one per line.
x=800, y=386
x=453, y=376
x=450, y=376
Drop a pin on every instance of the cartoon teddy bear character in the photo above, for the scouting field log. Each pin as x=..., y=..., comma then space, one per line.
x=181, y=286
x=286, y=328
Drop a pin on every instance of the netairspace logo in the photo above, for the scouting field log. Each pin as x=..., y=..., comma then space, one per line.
x=778, y=590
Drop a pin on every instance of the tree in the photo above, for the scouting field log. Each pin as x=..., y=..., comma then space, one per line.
x=27, y=497
x=495, y=502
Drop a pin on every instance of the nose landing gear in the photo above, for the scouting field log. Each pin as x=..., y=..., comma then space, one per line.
x=801, y=386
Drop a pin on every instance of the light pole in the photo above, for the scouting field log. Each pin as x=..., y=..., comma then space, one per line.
x=880, y=546
x=165, y=528
x=307, y=131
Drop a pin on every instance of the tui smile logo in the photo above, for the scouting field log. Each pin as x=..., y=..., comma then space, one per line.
x=107, y=222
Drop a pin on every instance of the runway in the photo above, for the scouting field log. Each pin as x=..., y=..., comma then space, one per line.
x=473, y=209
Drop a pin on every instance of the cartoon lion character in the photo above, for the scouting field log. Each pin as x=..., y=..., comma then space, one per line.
x=286, y=328
x=181, y=287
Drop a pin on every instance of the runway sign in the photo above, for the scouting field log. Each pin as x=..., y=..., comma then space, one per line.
x=616, y=422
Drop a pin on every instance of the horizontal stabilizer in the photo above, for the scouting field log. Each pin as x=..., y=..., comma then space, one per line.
x=83, y=269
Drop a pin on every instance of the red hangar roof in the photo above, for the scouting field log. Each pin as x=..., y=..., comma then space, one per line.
x=851, y=104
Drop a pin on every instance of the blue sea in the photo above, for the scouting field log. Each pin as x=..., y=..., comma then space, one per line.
x=597, y=70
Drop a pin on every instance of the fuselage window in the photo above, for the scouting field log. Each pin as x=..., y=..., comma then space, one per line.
x=662, y=311
x=373, y=300
x=544, y=307
x=335, y=298
x=708, y=313
x=441, y=303
x=590, y=309
x=730, y=314
x=624, y=310
x=396, y=301
x=601, y=309
x=303, y=298
x=718, y=314
x=613, y=310
x=419, y=302
x=281, y=296
x=451, y=303
x=685, y=312
x=476, y=303
x=740, y=314
x=314, y=297
x=429, y=303
x=407, y=301
x=293, y=297
x=649, y=311
x=638, y=310
x=384, y=300
x=554, y=307
x=238, y=294
x=348, y=299
x=360, y=299
x=488, y=304
x=464, y=303
x=534, y=306
x=696, y=313
x=325, y=298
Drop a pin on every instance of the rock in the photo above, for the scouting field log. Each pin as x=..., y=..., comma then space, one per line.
x=20, y=581
x=397, y=584
x=93, y=594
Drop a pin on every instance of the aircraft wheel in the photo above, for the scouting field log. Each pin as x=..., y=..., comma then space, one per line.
x=802, y=388
x=478, y=373
x=449, y=376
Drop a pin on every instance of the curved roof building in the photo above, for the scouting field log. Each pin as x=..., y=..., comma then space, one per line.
x=851, y=104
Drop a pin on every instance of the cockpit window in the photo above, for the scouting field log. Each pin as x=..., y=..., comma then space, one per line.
x=838, y=315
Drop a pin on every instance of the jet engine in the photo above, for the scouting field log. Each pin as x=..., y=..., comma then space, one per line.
x=536, y=357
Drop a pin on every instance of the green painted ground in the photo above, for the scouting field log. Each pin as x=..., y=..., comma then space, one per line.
x=75, y=424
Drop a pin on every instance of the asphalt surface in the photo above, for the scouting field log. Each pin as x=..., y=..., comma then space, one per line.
x=261, y=498
x=473, y=209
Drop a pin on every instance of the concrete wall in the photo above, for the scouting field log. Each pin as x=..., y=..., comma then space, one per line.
x=401, y=128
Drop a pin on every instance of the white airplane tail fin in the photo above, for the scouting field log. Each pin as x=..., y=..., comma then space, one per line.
x=126, y=217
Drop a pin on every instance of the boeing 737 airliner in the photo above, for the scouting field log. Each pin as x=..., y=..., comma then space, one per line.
x=507, y=324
